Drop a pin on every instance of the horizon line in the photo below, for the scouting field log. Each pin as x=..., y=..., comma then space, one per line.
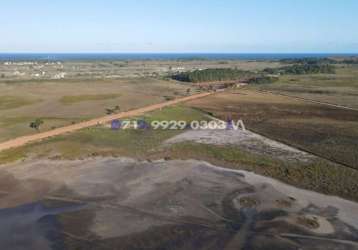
x=169, y=52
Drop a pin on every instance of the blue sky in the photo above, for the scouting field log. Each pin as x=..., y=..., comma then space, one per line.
x=245, y=26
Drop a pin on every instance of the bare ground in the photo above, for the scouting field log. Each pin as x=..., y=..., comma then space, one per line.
x=108, y=203
x=244, y=139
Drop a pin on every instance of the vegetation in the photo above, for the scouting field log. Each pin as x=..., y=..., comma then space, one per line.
x=12, y=155
x=114, y=110
x=12, y=102
x=168, y=98
x=318, y=175
x=302, y=69
x=101, y=141
x=329, y=132
x=308, y=61
x=211, y=75
x=36, y=124
x=351, y=60
x=340, y=88
x=263, y=80
x=82, y=98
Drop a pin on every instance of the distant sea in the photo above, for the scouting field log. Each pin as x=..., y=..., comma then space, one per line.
x=155, y=56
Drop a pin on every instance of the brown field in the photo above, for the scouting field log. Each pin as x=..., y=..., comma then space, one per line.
x=326, y=131
x=340, y=88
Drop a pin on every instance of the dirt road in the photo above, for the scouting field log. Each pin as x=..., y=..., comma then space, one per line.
x=20, y=141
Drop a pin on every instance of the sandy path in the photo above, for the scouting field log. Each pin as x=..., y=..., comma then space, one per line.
x=20, y=141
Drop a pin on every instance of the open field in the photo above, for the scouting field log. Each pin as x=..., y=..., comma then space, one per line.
x=21, y=141
x=48, y=70
x=311, y=173
x=340, y=88
x=89, y=88
x=71, y=99
x=173, y=189
x=324, y=130
x=60, y=103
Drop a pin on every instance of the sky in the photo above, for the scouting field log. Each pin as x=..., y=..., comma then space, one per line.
x=211, y=26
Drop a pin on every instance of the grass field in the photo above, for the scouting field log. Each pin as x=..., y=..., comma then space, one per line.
x=104, y=141
x=72, y=99
x=61, y=103
x=12, y=102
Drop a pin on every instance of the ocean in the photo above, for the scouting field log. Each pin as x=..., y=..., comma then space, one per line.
x=159, y=56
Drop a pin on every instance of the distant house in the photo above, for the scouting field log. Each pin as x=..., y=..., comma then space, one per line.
x=240, y=84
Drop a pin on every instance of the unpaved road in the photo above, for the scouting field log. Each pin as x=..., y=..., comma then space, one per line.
x=21, y=141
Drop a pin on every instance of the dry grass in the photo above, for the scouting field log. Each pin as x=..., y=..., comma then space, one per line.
x=324, y=130
x=71, y=99
x=340, y=88
x=13, y=102
x=93, y=98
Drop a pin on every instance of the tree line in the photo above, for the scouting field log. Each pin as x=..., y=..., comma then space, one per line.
x=345, y=60
x=268, y=75
x=211, y=75
x=308, y=61
x=302, y=69
x=262, y=80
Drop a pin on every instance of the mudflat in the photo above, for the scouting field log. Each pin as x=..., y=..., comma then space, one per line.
x=122, y=203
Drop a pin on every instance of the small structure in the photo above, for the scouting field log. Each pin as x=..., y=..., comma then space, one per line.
x=240, y=84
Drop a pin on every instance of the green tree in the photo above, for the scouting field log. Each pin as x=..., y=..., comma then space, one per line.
x=36, y=124
x=110, y=111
